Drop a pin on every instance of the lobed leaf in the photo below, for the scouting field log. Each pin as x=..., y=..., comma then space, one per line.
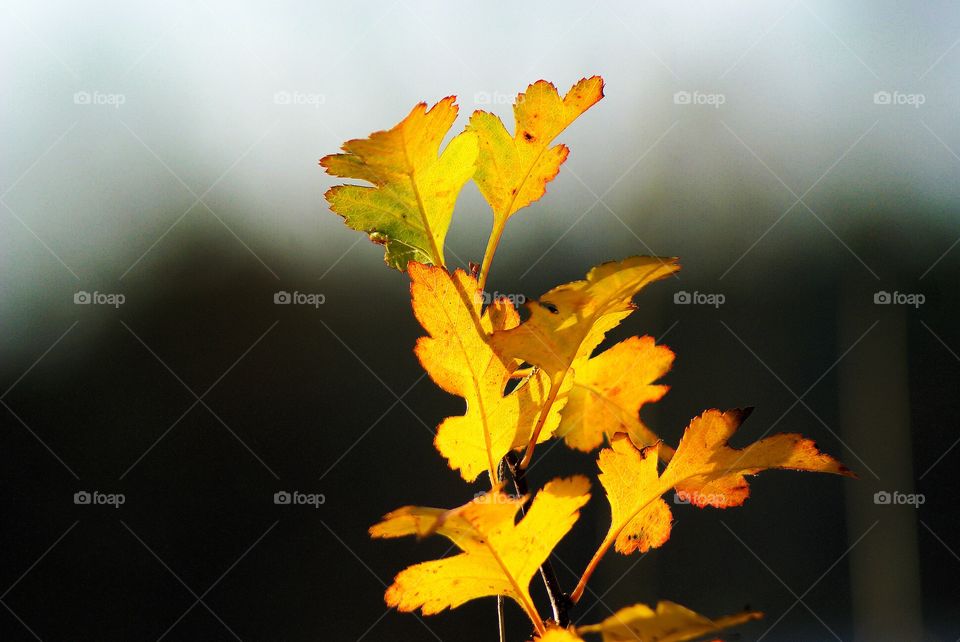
x=669, y=623
x=513, y=171
x=499, y=557
x=570, y=321
x=410, y=204
x=459, y=358
x=707, y=471
x=704, y=471
x=610, y=389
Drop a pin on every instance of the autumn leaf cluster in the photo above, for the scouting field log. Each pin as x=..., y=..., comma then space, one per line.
x=525, y=382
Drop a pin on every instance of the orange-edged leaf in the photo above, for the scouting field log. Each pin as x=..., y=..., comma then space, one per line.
x=704, y=470
x=570, y=320
x=640, y=519
x=410, y=204
x=707, y=472
x=513, y=171
x=498, y=556
x=670, y=622
x=610, y=389
x=457, y=355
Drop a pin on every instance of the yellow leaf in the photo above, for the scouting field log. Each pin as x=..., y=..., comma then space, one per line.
x=640, y=519
x=704, y=470
x=570, y=321
x=498, y=556
x=669, y=623
x=459, y=358
x=423, y=521
x=609, y=390
x=409, y=207
x=513, y=171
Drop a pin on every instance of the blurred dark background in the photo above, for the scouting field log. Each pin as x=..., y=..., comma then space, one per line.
x=166, y=152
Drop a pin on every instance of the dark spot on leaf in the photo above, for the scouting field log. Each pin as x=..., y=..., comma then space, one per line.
x=528, y=136
x=551, y=307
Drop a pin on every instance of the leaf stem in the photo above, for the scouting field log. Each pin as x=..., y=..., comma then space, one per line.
x=541, y=420
x=608, y=541
x=560, y=602
x=492, y=244
x=591, y=567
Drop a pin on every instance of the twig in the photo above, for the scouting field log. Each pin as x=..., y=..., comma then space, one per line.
x=502, y=625
x=560, y=602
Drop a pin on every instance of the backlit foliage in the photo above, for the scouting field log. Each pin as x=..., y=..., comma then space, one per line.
x=541, y=379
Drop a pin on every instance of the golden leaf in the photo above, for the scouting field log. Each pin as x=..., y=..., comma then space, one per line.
x=513, y=171
x=669, y=623
x=499, y=557
x=704, y=470
x=459, y=358
x=609, y=390
x=409, y=207
x=570, y=321
x=640, y=519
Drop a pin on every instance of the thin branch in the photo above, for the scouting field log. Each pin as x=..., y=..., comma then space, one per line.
x=560, y=602
x=502, y=625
